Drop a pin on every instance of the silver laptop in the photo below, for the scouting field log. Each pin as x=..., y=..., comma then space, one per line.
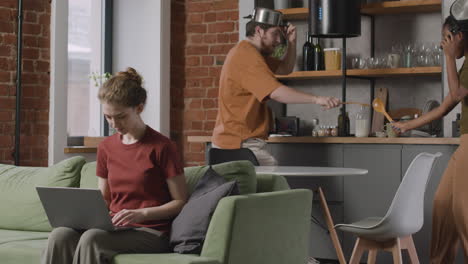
x=76, y=208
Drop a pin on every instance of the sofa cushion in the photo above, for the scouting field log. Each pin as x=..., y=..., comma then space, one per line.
x=190, y=226
x=172, y=258
x=29, y=252
x=14, y=235
x=242, y=171
x=88, y=176
x=19, y=203
x=24, y=252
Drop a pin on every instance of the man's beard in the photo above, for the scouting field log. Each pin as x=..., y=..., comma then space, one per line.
x=267, y=50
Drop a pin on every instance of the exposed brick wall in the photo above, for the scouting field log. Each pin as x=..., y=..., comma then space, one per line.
x=35, y=81
x=211, y=30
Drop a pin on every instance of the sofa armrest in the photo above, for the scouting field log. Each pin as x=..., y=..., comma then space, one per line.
x=261, y=228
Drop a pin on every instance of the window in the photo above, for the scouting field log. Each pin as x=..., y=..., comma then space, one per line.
x=85, y=58
x=112, y=28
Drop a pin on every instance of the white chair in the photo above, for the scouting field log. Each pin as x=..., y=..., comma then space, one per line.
x=393, y=232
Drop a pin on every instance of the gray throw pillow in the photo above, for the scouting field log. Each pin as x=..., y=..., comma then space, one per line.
x=190, y=226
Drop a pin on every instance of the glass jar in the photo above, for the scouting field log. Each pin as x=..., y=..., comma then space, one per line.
x=321, y=131
x=334, y=131
x=362, y=122
x=315, y=133
x=328, y=131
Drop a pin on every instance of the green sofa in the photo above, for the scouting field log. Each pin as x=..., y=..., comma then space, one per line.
x=270, y=225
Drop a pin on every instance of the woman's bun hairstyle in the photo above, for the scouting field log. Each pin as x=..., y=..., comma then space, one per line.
x=124, y=88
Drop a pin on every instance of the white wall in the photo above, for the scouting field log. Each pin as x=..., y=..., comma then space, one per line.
x=245, y=9
x=58, y=82
x=141, y=40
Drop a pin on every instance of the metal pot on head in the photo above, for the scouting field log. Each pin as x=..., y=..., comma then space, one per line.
x=274, y=18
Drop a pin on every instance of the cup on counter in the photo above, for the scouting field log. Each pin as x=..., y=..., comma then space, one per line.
x=332, y=58
x=393, y=60
x=390, y=132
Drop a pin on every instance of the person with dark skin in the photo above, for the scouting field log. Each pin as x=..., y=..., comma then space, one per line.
x=450, y=213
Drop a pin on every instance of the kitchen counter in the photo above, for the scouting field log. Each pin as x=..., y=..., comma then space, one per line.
x=316, y=140
x=348, y=140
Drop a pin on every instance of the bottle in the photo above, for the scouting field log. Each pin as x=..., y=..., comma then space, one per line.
x=319, y=60
x=456, y=126
x=362, y=123
x=308, y=54
x=343, y=124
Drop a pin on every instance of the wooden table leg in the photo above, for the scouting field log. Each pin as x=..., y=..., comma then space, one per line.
x=331, y=228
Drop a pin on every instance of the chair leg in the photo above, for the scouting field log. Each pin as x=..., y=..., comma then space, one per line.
x=331, y=228
x=358, y=251
x=411, y=250
x=371, y=257
x=396, y=252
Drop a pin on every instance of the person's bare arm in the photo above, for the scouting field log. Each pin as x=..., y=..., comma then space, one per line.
x=287, y=95
x=287, y=64
x=447, y=105
x=449, y=45
x=178, y=190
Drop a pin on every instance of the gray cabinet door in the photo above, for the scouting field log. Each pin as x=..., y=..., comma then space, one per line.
x=371, y=194
x=423, y=237
x=303, y=154
x=320, y=155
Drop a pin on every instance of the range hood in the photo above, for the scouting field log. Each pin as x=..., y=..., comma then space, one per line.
x=335, y=18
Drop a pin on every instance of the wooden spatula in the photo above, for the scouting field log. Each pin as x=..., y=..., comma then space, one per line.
x=379, y=106
x=367, y=105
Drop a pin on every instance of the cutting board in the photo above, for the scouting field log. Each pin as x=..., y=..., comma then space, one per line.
x=378, y=118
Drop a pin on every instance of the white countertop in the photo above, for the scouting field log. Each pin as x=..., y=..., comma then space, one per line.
x=309, y=171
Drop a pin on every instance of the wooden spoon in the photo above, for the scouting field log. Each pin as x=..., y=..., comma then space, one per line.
x=367, y=105
x=379, y=106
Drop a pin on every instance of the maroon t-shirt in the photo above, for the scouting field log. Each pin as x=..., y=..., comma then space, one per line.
x=137, y=173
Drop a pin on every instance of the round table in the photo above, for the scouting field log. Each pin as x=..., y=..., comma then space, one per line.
x=307, y=171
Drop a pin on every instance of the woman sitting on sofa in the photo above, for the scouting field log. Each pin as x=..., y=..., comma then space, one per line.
x=140, y=177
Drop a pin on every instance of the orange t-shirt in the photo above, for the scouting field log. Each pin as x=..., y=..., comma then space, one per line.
x=246, y=82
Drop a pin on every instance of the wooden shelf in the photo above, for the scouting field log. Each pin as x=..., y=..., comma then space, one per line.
x=80, y=149
x=398, y=72
x=307, y=75
x=400, y=7
x=381, y=8
x=370, y=73
x=295, y=13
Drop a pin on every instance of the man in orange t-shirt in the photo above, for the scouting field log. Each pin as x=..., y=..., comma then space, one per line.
x=247, y=81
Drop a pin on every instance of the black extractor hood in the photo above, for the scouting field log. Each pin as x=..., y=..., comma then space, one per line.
x=335, y=18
